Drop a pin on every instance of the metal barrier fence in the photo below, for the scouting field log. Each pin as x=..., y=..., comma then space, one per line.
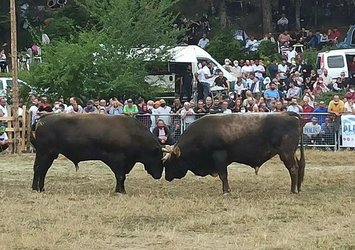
x=319, y=131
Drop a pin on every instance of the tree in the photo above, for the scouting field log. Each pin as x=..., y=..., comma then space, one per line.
x=100, y=62
x=267, y=17
x=298, y=14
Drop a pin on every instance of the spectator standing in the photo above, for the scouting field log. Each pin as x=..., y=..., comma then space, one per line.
x=3, y=107
x=33, y=110
x=321, y=109
x=283, y=70
x=312, y=131
x=3, y=63
x=291, y=54
x=74, y=107
x=327, y=132
x=164, y=112
x=186, y=83
x=116, y=108
x=130, y=109
x=225, y=108
x=336, y=108
x=282, y=23
x=349, y=106
x=222, y=81
x=200, y=108
x=205, y=78
x=176, y=107
x=273, y=69
x=90, y=107
x=187, y=114
x=203, y=42
x=284, y=38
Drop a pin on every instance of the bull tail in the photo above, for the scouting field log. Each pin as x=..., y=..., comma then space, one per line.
x=301, y=163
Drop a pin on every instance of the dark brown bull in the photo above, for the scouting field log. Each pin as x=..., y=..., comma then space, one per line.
x=213, y=142
x=118, y=141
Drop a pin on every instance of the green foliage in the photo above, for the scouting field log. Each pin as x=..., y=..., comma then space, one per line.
x=268, y=51
x=60, y=28
x=328, y=96
x=223, y=46
x=310, y=56
x=99, y=62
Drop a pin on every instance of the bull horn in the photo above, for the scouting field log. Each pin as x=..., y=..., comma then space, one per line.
x=166, y=157
x=256, y=170
x=167, y=149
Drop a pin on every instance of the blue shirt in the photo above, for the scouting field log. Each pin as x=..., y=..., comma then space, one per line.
x=272, y=94
x=321, y=118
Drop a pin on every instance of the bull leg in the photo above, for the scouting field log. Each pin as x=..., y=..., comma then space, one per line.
x=292, y=167
x=220, y=161
x=43, y=164
x=120, y=183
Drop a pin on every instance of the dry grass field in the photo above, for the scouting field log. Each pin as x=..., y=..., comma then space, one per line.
x=80, y=211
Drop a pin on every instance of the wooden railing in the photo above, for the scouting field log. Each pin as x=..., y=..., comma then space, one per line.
x=20, y=143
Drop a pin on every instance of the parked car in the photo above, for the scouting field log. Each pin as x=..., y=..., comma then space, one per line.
x=6, y=85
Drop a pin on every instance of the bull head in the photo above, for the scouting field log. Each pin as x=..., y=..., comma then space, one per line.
x=169, y=150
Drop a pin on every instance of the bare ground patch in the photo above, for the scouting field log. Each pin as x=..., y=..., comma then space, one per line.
x=80, y=211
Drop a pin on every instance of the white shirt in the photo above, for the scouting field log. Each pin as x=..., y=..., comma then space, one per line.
x=4, y=137
x=236, y=71
x=200, y=74
x=203, y=43
x=258, y=70
x=205, y=71
x=282, y=70
x=282, y=21
x=247, y=68
x=290, y=54
x=239, y=88
x=164, y=114
x=70, y=109
x=227, y=111
x=349, y=108
x=33, y=113
x=252, y=45
x=4, y=111
x=188, y=118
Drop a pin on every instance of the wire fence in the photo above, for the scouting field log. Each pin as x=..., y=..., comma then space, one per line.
x=320, y=131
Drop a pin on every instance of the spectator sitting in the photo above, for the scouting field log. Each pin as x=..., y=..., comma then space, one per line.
x=312, y=131
x=269, y=37
x=271, y=93
x=59, y=108
x=90, y=107
x=294, y=107
x=161, y=131
x=252, y=44
x=227, y=65
x=319, y=87
x=130, y=109
x=282, y=23
x=3, y=107
x=293, y=91
x=291, y=54
x=284, y=38
x=222, y=81
x=225, y=108
x=236, y=70
x=102, y=106
x=251, y=105
x=187, y=114
x=327, y=79
x=278, y=107
x=335, y=86
x=307, y=109
x=334, y=35
x=203, y=42
x=4, y=140
x=116, y=108
x=321, y=109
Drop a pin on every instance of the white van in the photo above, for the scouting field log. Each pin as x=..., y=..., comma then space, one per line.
x=335, y=61
x=6, y=84
x=168, y=78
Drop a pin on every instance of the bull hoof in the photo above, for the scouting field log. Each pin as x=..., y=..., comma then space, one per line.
x=227, y=193
x=121, y=192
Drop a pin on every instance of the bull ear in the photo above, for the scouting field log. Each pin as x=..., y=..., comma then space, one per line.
x=177, y=151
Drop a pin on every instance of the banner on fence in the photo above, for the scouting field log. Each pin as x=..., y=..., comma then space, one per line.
x=348, y=130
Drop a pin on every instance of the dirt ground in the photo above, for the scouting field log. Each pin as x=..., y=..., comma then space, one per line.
x=80, y=211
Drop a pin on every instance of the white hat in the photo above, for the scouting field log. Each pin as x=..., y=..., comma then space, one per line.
x=267, y=80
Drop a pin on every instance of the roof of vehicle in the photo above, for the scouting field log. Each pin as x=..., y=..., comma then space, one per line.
x=338, y=51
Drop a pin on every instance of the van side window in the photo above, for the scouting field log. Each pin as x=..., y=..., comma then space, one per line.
x=335, y=61
x=1, y=85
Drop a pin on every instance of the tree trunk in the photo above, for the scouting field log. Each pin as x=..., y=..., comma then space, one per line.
x=267, y=17
x=298, y=14
x=223, y=14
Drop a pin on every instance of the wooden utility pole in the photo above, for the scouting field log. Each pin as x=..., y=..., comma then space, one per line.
x=15, y=88
x=298, y=14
